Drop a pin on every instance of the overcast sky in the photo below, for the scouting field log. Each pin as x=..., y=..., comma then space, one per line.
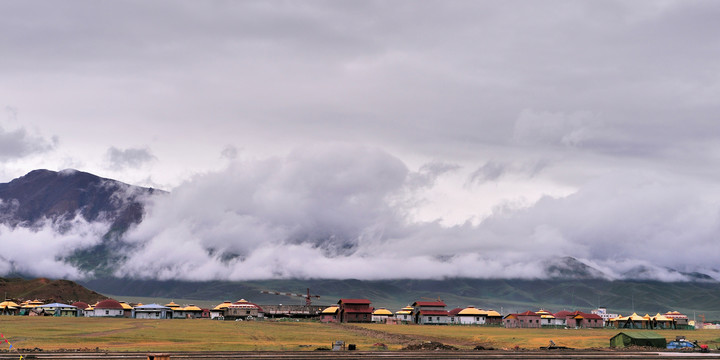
x=464, y=135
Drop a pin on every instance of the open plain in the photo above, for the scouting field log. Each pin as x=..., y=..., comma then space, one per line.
x=88, y=338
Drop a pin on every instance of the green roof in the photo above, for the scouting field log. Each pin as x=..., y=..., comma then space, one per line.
x=642, y=334
x=638, y=338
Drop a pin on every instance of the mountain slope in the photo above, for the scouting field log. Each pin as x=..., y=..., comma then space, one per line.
x=63, y=291
x=507, y=294
x=45, y=198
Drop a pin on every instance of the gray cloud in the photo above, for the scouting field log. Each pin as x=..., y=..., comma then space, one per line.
x=128, y=158
x=19, y=143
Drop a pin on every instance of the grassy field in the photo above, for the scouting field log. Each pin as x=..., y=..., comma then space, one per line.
x=50, y=333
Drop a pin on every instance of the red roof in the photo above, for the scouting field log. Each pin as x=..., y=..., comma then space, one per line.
x=80, y=305
x=586, y=315
x=528, y=313
x=562, y=314
x=434, y=312
x=429, y=303
x=354, y=301
x=455, y=311
x=109, y=304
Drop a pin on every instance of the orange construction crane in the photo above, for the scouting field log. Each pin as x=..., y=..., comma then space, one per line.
x=308, y=297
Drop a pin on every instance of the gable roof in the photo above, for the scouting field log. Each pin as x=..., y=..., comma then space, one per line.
x=429, y=303
x=355, y=301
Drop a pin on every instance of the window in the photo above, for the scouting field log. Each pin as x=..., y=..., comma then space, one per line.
x=107, y=312
x=438, y=318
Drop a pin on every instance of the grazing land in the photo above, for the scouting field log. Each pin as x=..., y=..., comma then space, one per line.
x=50, y=333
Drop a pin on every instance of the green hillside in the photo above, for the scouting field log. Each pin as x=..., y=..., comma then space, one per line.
x=502, y=295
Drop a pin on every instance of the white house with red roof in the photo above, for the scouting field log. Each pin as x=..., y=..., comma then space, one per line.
x=430, y=312
x=108, y=308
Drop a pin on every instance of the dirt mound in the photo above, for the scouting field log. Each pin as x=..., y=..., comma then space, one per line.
x=429, y=345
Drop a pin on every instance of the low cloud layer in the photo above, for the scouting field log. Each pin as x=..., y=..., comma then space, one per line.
x=339, y=212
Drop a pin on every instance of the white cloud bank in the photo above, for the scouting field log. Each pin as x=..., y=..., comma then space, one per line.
x=340, y=212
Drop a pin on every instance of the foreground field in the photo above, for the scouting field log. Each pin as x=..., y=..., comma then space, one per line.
x=49, y=333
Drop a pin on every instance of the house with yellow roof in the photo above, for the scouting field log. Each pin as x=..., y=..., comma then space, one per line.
x=330, y=314
x=405, y=315
x=381, y=315
x=9, y=307
x=187, y=312
x=471, y=316
x=218, y=312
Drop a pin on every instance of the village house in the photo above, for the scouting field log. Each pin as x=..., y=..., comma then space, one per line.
x=355, y=310
x=680, y=321
x=471, y=316
x=548, y=319
x=81, y=307
x=453, y=315
x=218, y=312
x=127, y=308
x=58, y=309
x=578, y=319
x=151, y=311
x=405, y=315
x=108, y=308
x=9, y=307
x=381, y=315
x=330, y=315
x=243, y=309
x=528, y=319
x=188, y=312
x=430, y=312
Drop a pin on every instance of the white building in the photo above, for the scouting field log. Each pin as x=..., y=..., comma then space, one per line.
x=107, y=308
x=471, y=316
x=152, y=311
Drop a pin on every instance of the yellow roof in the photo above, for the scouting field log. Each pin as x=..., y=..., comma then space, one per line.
x=191, y=308
x=542, y=312
x=636, y=317
x=222, y=306
x=493, y=313
x=242, y=301
x=382, y=311
x=172, y=304
x=126, y=306
x=547, y=316
x=90, y=308
x=8, y=304
x=403, y=312
x=471, y=310
x=331, y=310
x=660, y=317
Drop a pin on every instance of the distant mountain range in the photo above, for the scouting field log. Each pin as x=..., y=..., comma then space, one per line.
x=506, y=295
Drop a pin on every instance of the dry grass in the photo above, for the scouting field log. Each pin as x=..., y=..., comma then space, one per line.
x=50, y=333
x=497, y=337
x=171, y=335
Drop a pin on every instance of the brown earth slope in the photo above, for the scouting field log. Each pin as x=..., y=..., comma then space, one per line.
x=63, y=291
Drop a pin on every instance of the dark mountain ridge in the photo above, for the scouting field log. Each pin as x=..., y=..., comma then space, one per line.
x=43, y=195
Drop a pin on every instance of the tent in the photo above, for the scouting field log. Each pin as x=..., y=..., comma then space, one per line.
x=637, y=338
